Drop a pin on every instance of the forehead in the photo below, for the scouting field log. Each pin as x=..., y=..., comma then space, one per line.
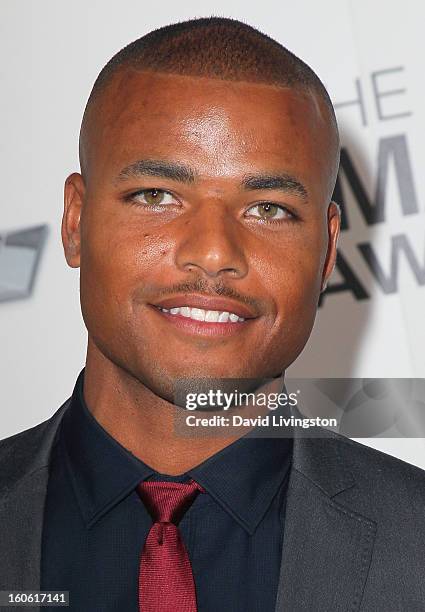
x=213, y=124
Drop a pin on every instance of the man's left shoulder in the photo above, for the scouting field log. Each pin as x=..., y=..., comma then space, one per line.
x=378, y=463
x=381, y=480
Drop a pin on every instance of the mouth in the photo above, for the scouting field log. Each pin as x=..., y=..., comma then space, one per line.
x=202, y=315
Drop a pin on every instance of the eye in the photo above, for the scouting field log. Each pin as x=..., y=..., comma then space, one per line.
x=269, y=211
x=152, y=197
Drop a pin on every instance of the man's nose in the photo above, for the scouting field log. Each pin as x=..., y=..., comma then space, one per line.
x=212, y=242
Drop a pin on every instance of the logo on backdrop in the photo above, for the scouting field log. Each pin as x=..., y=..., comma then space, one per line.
x=20, y=253
x=394, y=167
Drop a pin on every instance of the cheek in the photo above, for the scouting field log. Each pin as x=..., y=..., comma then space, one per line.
x=294, y=281
x=118, y=260
x=295, y=289
x=297, y=296
x=122, y=249
x=295, y=263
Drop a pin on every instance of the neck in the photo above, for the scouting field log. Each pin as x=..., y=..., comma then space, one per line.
x=141, y=421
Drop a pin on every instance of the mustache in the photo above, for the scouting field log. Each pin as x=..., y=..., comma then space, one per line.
x=205, y=288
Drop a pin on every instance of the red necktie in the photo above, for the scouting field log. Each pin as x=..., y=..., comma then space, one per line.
x=165, y=576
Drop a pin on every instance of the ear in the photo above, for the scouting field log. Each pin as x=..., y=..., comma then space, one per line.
x=71, y=228
x=334, y=224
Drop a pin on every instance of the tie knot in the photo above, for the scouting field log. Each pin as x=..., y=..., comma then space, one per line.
x=168, y=501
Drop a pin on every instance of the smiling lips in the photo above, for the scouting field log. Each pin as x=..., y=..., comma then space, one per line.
x=197, y=312
x=209, y=316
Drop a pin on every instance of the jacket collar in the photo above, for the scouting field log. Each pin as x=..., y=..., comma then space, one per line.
x=319, y=460
x=24, y=460
x=29, y=451
x=327, y=546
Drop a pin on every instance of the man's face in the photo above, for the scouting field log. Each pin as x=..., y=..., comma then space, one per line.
x=207, y=194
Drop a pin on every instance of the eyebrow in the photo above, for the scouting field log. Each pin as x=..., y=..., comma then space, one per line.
x=280, y=182
x=184, y=174
x=153, y=167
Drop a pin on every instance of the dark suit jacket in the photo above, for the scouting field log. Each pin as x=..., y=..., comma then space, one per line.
x=354, y=535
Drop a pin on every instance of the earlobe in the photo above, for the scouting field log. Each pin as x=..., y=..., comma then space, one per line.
x=71, y=221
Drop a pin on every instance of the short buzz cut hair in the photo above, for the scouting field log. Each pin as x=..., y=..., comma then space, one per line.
x=214, y=47
x=217, y=48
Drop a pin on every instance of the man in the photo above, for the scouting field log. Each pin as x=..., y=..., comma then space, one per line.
x=204, y=230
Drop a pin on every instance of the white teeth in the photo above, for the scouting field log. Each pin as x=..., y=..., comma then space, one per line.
x=197, y=314
x=210, y=316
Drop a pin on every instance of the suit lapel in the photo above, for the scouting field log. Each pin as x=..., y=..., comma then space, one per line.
x=24, y=460
x=327, y=547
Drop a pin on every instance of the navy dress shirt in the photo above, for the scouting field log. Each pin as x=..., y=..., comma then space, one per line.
x=96, y=524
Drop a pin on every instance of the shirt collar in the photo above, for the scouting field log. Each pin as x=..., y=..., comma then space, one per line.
x=102, y=471
x=243, y=477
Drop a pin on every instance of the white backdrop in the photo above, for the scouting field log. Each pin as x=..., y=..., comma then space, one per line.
x=370, y=56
